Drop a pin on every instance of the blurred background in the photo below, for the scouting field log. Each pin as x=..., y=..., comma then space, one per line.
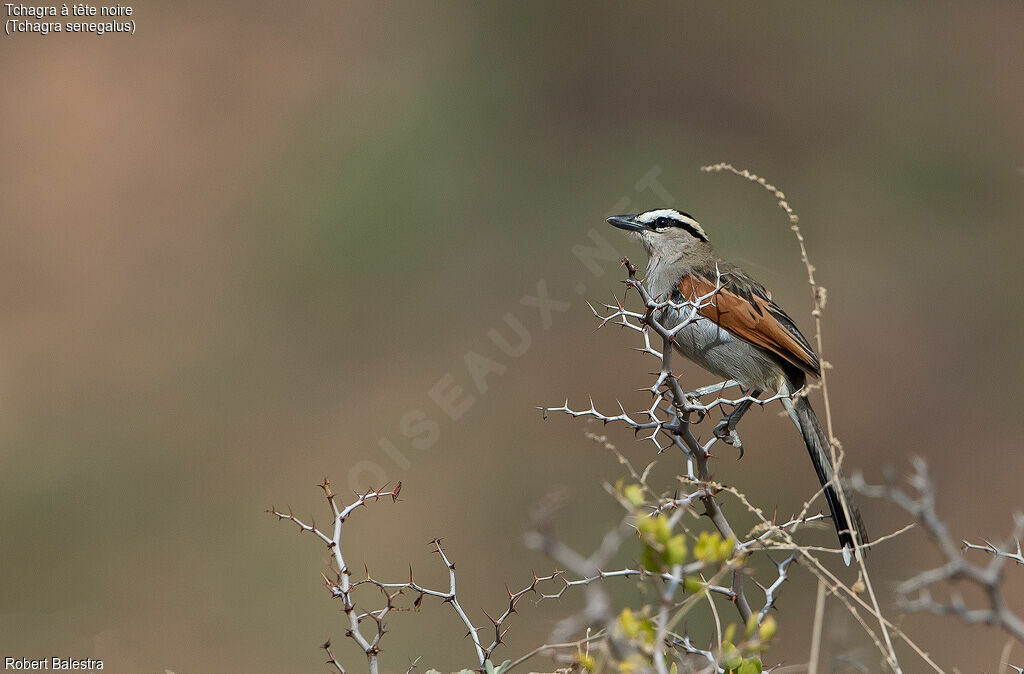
x=238, y=247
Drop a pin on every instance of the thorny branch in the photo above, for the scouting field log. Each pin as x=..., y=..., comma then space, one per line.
x=671, y=415
x=667, y=422
x=589, y=572
x=341, y=586
x=915, y=593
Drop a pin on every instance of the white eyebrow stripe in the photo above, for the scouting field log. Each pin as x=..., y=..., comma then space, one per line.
x=651, y=216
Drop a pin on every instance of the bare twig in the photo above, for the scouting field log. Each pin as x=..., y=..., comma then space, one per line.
x=819, y=620
x=341, y=586
x=915, y=594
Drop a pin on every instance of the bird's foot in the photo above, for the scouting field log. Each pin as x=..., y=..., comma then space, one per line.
x=727, y=434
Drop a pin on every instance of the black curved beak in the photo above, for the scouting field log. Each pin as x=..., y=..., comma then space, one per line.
x=626, y=222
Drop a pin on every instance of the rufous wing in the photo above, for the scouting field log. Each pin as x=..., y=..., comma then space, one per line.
x=743, y=307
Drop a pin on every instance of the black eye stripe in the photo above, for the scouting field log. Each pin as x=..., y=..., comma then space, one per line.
x=693, y=230
x=672, y=222
x=665, y=221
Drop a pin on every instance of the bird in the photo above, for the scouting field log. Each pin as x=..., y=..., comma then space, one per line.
x=740, y=334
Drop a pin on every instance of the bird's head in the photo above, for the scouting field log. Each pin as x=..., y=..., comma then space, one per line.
x=665, y=232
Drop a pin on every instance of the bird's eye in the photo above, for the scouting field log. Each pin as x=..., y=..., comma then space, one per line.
x=662, y=223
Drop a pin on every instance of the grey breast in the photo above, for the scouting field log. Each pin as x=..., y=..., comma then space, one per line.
x=719, y=351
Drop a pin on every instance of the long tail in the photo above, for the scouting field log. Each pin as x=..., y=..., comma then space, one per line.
x=818, y=447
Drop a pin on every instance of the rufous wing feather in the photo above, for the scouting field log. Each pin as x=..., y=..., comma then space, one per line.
x=744, y=308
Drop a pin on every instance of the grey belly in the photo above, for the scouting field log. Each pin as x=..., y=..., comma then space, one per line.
x=722, y=353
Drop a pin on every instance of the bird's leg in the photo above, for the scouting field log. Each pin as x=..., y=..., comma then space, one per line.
x=726, y=428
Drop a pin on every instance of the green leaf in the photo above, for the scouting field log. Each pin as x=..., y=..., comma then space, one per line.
x=650, y=560
x=730, y=657
x=692, y=584
x=767, y=629
x=751, y=666
x=675, y=550
x=712, y=548
x=634, y=494
x=629, y=622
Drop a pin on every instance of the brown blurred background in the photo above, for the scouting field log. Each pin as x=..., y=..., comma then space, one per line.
x=239, y=245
